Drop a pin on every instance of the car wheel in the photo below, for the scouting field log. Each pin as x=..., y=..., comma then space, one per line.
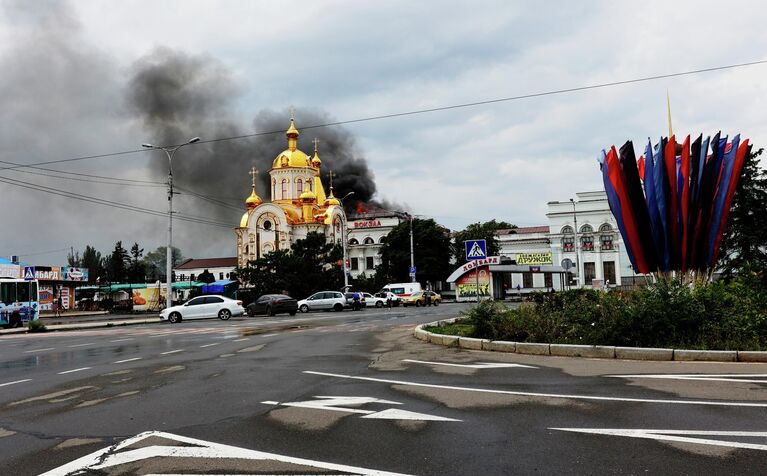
x=292, y=313
x=224, y=314
x=436, y=302
x=269, y=311
x=251, y=313
x=379, y=304
x=304, y=308
x=338, y=307
x=418, y=304
x=174, y=318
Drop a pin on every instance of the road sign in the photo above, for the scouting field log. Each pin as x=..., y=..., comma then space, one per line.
x=412, y=270
x=567, y=263
x=29, y=273
x=475, y=249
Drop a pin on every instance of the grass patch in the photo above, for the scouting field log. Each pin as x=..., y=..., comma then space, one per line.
x=36, y=326
x=461, y=330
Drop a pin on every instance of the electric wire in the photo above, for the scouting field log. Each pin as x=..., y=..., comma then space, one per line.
x=420, y=111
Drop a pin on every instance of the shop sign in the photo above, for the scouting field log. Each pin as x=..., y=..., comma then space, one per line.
x=52, y=273
x=481, y=262
x=367, y=224
x=9, y=271
x=534, y=258
x=74, y=274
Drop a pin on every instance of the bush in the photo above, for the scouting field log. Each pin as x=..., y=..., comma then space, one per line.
x=669, y=313
x=36, y=326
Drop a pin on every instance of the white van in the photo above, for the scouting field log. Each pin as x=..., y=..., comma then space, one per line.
x=402, y=289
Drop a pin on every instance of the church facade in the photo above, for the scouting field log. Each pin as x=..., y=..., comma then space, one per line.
x=297, y=207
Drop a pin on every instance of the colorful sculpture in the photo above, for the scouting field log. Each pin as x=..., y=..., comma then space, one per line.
x=672, y=204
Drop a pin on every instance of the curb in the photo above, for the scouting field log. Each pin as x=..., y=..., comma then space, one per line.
x=84, y=325
x=587, y=351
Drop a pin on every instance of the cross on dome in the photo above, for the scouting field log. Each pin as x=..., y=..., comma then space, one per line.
x=316, y=143
x=253, y=173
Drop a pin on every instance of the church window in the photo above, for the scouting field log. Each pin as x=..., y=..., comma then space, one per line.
x=299, y=186
x=369, y=241
x=309, y=185
x=284, y=189
x=267, y=225
x=274, y=188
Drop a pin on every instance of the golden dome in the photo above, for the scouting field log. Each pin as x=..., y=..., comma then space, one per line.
x=308, y=196
x=316, y=162
x=331, y=200
x=292, y=129
x=244, y=219
x=253, y=200
x=291, y=158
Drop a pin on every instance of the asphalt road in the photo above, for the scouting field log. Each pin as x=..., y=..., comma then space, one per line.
x=354, y=392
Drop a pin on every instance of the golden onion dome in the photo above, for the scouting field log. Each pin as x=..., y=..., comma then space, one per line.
x=292, y=129
x=291, y=158
x=253, y=200
x=244, y=219
x=316, y=162
x=331, y=200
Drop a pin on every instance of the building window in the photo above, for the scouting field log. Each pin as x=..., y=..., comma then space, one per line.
x=587, y=243
x=567, y=230
x=548, y=281
x=308, y=185
x=369, y=241
x=589, y=272
x=609, y=271
x=587, y=229
x=353, y=242
x=355, y=264
x=191, y=277
x=274, y=188
x=369, y=263
x=299, y=187
x=220, y=275
x=568, y=243
x=607, y=242
x=382, y=240
x=284, y=189
x=527, y=280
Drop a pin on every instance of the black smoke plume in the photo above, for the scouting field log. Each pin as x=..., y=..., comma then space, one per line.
x=179, y=96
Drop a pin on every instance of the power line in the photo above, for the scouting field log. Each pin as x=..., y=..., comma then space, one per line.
x=425, y=111
x=43, y=252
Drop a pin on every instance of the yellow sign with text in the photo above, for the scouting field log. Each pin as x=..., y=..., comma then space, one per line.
x=535, y=258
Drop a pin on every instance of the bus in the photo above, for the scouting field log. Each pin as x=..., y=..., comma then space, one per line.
x=19, y=302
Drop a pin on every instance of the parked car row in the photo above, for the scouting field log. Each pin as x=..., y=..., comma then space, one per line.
x=212, y=306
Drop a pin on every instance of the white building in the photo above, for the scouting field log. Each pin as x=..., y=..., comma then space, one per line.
x=191, y=269
x=366, y=234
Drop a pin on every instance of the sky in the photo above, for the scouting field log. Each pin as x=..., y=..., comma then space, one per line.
x=89, y=77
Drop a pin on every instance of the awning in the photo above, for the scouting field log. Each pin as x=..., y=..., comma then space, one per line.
x=186, y=284
x=217, y=286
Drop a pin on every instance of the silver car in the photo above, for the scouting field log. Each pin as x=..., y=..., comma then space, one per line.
x=323, y=301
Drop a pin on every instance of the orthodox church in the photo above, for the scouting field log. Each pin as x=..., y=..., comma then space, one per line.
x=298, y=205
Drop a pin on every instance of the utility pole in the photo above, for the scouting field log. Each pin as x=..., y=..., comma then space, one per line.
x=412, y=257
x=579, y=265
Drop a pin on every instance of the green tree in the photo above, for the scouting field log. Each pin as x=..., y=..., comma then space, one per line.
x=744, y=245
x=137, y=267
x=92, y=260
x=74, y=259
x=311, y=265
x=117, y=264
x=431, y=245
x=479, y=231
x=155, y=262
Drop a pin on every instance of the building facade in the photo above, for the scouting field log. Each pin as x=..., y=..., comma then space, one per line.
x=297, y=207
x=366, y=234
x=191, y=269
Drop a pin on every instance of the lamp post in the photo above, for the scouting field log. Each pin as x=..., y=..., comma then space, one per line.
x=343, y=238
x=170, y=151
x=577, y=246
x=412, y=257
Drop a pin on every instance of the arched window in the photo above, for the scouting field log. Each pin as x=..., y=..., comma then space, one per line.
x=605, y=228
x=567, y=230
x=309, y=185
x=284, y=189
x=354, y=241
x=369, y=241
x=587, y=229
x=274, y=188
x=382, y=240
x=606, y=237
x=299, y=187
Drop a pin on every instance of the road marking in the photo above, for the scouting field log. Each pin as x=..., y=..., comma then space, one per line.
x=240, y=340
x=268, y=335
x=75, y=370
x=745, y=378
x=39, y=350
x=479, y=365
x=82, y=345
x=209, y=345
x=121, y=340
x=171, y=352
x=680, y=436
x=15, y=382
x=544, y=395
x=128, y=360
x=336, y=404
x=212, y=452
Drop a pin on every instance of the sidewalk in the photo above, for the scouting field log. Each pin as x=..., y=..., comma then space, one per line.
x=63, y=325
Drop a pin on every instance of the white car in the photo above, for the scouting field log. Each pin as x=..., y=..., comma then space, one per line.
x=203, y=307
x=323, y=301
x=383, y=299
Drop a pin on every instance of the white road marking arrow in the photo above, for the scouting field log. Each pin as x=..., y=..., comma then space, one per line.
x=745, y=378
x=121, y=454
x=337, y=404
x=478, y=365
x=680, y=436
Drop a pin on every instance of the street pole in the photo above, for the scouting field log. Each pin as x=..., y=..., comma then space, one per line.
x=343, y=238
x=579, y=265
x=170, y=151
x=412, y=257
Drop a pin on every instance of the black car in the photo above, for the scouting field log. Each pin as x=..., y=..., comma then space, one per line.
x=271, y=304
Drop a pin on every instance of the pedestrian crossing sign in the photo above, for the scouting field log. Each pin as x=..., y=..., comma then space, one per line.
x=29, y=273
x=475, y=249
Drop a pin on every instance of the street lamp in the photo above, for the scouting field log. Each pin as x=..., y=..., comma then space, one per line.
x=170, y=150
x=343, y=238
x=577, y=245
